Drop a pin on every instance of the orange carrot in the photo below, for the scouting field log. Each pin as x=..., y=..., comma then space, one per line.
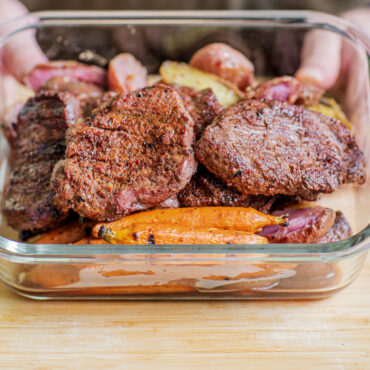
x=92, y=240
x=176, y=234
x=66, y=234
x=234, y=218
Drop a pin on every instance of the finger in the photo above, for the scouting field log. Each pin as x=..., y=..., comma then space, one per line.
x=360, y=17
x=320, y=59
x=21, y=52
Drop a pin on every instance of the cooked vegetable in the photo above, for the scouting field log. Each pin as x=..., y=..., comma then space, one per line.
x=182, y=74
x=126, y=73
x=66, y=234
x=177, y=234
x=225, y=62
x=332, y=109
x=91, y=241
x=234, y=218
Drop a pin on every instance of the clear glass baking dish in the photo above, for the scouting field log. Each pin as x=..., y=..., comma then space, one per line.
x=273, y=39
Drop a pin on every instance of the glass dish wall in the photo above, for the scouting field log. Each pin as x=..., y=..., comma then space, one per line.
x=273, y=40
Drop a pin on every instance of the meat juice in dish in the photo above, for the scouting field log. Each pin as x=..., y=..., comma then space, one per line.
x=102, y=145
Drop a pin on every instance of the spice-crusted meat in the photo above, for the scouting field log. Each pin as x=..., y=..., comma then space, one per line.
x=306, y=225
x=37, y=145
x=132, y=153
x=203, y=106
x=286, y=89
x=206, y=190
x=171, y=202
x=88, y=94
x=269, y=147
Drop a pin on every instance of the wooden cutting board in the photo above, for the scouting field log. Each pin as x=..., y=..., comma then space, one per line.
x=328, y=334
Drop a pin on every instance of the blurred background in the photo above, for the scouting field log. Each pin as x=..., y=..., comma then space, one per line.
x=332, y=6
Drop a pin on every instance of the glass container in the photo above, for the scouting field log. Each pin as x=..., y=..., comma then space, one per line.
x=273, y=40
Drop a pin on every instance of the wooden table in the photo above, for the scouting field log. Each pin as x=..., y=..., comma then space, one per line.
x=329, y=334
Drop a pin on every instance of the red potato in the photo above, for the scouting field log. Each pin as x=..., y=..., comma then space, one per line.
x=67, y=68
x=286, y=89
x=126, y=73
x=225, y=62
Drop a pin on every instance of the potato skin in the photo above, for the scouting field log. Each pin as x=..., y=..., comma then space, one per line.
x=225, y=62
x=126, y=73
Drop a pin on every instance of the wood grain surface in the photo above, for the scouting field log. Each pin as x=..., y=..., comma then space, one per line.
x=327, y=334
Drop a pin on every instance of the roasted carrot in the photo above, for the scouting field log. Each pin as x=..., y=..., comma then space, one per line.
x=92, y=240
x=235, y=218
x=177, y=234
x=66, y=234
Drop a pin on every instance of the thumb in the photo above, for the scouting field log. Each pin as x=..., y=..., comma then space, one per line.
x=320, y=59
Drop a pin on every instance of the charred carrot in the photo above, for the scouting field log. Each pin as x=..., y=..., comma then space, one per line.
x=235, y=218
x=67, y=234
x=176, y=234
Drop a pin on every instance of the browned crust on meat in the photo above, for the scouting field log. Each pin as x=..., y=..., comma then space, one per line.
x=88, y=94
x=203, y=106
x=37, y=146
x=134, y=152
x=206, y=190
x=269, y=147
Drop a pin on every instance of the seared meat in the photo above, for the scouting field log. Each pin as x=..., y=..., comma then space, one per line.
x=87, y=93
x=37, y=145
x=286, y=89
x=75, y=87
x=67, y=68
x=8, y=122
x=339, y=231
x=203, y=106
x=134, y=152
x=306, y=225
x=206, y=190
x=171, y=202
x=268, y=147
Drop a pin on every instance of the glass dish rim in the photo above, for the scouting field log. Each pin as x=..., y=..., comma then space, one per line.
x=21, y=252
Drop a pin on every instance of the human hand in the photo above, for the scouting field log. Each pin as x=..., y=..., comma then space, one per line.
x=333, y=63
x=18, y=56
x=22, y=52
x=326, y=56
